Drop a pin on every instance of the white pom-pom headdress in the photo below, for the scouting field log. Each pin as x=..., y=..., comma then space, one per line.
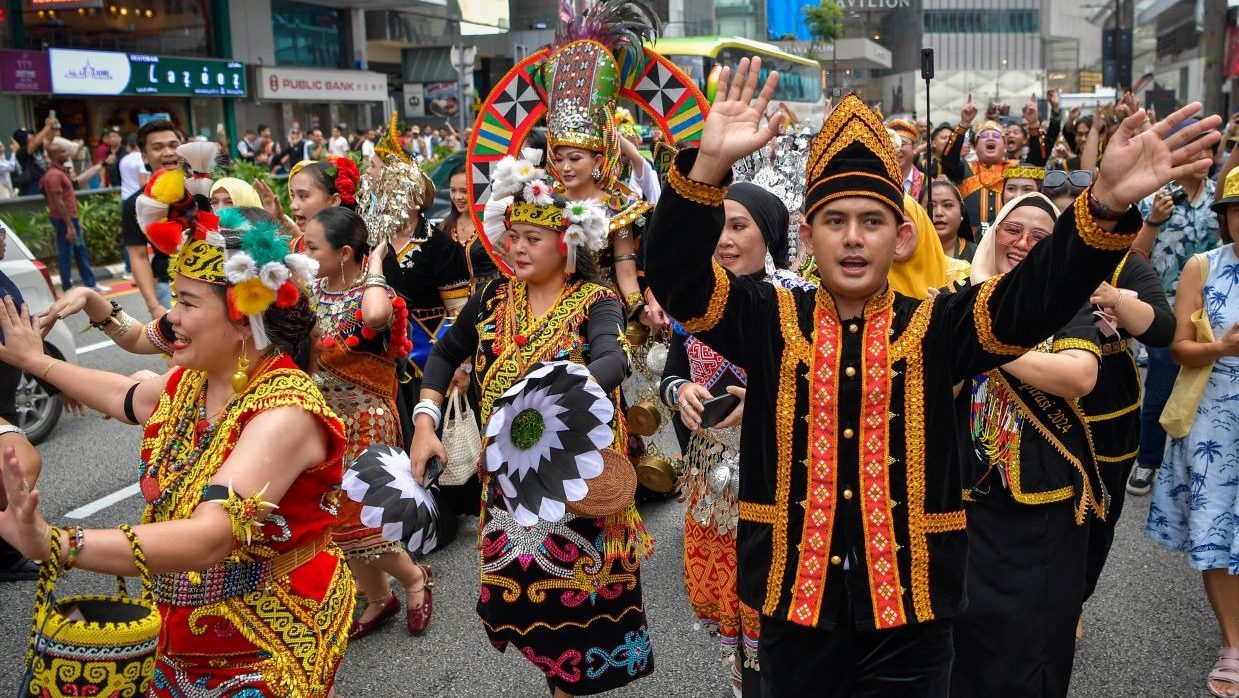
x=521, y=193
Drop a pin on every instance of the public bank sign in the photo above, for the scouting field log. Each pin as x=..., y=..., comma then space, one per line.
x=77, y=72
x=317, y=85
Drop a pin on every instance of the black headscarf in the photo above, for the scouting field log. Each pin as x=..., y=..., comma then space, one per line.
x=770, y=215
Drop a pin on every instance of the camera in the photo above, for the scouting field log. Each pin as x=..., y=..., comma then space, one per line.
x=1177, y=193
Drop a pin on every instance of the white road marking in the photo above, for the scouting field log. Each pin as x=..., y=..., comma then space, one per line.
x=95, y=347
x=88, y=510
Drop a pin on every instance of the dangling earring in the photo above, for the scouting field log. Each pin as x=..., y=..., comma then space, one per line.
x=343, y=281
x=597, y=174
x=241, y=377
x=770, y=268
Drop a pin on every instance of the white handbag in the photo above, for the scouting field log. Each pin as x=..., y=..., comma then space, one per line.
x=461, y=439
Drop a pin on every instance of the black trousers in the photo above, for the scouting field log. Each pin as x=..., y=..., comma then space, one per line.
x=909, y=662
x=1101, y=533
x=1025, y=588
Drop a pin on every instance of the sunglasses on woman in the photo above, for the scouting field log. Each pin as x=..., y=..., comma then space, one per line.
x=1057, y=178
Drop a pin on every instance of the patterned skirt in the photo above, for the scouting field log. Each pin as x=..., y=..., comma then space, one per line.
x=368, y=419
x=549, y=592
x=710, y=519
x=285, y=641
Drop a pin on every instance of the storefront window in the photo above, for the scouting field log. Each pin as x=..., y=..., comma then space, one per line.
x=306, y=35
x=159, y=27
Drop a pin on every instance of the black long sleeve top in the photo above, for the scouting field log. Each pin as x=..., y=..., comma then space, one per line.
x=848, y=446
x=473, y=332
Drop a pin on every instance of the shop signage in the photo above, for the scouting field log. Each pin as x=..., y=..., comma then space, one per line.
x=25, y=71
x=308, y=84
x=76, y=72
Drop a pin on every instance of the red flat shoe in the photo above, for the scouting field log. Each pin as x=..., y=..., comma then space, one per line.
x=361, y=629
x=419, y=617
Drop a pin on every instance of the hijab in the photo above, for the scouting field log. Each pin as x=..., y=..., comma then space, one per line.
x=984, y=262
x=927, y=267
x=769, y=213
x=242, y=193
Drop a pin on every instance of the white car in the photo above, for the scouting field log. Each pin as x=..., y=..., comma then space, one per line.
x=38, y=409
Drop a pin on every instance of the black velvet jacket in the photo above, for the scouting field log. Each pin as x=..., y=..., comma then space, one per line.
x=848, y=448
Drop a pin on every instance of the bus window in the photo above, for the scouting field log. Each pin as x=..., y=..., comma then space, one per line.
x=693, y=66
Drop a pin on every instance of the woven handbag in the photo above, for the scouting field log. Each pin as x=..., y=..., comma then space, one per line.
x=92, y=644
x=1189, y=386
x=461, y=439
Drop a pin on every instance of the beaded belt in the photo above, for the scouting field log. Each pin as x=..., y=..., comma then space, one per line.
x=229, y=580
x=425, y=314
x=1113, y=347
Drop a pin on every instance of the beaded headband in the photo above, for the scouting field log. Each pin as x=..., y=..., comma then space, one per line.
x=1024, y=172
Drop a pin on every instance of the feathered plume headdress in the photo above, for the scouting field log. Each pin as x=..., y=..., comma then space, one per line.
x=582, y=76
x=251, y=259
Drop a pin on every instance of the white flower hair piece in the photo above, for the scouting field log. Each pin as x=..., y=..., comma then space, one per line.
x=510, y=176
x=494, y=220
x=273, y=275
x=588, y=225
x=539, y=192
x=240, y=267
x=303, y=268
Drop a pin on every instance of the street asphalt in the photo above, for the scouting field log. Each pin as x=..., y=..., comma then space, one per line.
x=1148, y=632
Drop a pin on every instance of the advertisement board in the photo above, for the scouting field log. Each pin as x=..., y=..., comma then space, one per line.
x=316, y=85
x=25, y=72
x=76, y=72
x=414, y=100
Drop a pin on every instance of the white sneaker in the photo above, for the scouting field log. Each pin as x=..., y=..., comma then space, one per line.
x=100, y=288
x=1141, y=480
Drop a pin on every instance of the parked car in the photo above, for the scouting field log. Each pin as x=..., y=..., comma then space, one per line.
x=38, y=405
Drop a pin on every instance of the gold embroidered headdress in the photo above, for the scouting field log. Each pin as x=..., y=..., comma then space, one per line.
x=852, y=156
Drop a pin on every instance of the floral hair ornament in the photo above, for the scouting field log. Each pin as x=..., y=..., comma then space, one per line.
x=168, y=204
x=520, y=193
x=345, y=174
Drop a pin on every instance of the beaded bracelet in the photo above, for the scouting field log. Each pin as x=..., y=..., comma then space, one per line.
x=77, y=541
x=116, y=310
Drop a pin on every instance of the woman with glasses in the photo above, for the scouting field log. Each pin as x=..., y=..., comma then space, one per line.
x=1131, y=305
x=1031, y=488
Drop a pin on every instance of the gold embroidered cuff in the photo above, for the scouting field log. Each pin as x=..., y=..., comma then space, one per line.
x=716, y=305
x=696, y=192
x=985, y=323
x=1075, y=343
x=449, y=294
x=1092, y=234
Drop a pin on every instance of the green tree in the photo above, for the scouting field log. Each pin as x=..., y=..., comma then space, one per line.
x=824, y=20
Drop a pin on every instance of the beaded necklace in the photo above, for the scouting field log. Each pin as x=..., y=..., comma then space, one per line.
x=192, y=434
x=339, y=312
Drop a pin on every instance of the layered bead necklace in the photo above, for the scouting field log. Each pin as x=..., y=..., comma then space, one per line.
x=192, y=434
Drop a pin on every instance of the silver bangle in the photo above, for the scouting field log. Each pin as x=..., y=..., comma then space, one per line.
x=11, y=429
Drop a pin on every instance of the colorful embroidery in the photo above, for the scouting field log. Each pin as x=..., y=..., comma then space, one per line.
x=823, y=464
x=884, y=585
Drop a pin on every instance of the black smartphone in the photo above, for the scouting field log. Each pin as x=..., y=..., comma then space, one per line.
x=434, y=468
x=716, y=409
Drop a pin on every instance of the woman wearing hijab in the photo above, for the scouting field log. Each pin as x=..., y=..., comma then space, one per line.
x=230, y=192
x=754, y=243
x=1031, y=480
x=923, y=268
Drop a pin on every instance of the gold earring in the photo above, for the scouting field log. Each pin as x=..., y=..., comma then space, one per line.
x=241, y=377
x=343, y=281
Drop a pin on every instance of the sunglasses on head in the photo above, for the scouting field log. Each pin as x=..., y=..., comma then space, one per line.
x=1057, y=178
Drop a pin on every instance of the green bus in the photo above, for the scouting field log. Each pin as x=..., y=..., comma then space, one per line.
x=800, y=79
